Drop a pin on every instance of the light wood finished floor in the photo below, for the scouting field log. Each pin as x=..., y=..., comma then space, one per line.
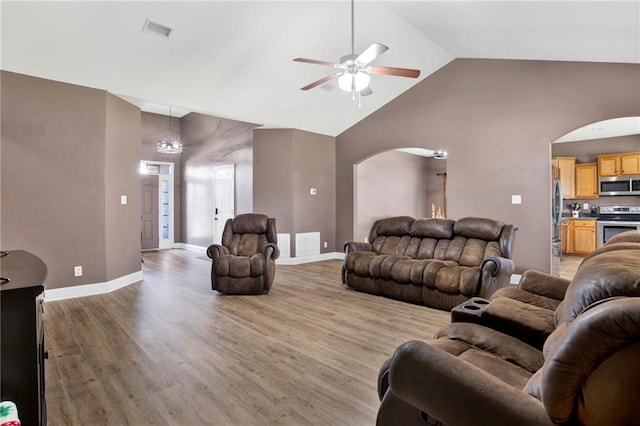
x=568, y=265
x=169, y=350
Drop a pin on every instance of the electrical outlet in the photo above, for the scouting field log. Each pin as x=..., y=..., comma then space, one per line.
x=325, y=244
x=123, y=200
x=312, y=191
x=77, y=271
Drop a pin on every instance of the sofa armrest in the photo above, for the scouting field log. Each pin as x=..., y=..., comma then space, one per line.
x=433, y=381
x=496, y=273
x=216, y=250
x=271, y=251
x=350, y=246
x=542, y=284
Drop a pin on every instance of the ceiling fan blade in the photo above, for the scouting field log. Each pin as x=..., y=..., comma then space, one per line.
x=400, y=72
x=371, y=53
x=314, y=61
x=366, y=91
x=321, y=81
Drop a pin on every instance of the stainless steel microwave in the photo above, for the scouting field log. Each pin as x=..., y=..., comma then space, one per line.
x=619, y=185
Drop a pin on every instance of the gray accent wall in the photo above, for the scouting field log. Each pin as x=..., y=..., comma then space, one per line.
x=208, y=142
x=68, y=153
x=496, y=119
x=287, y=164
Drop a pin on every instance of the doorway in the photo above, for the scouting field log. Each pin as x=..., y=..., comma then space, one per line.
x=157, y=207
x=398, y=183
x=223, y=198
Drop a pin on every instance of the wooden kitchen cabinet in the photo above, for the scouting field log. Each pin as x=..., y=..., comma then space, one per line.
x=586, y=180
x=609, y=165
x=630, y=163
x=627, y=163
x=566, y=246
x=565, y=170
x=583, y=236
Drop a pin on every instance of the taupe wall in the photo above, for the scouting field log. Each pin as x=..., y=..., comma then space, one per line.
x=208, y=142
x=155, y=127
x=58, y=147
x=496, y=119
x=122, y=177
x=288, y=163
x=388, y=184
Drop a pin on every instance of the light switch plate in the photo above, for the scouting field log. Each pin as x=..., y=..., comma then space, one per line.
x=516, y=199
x=312, y=191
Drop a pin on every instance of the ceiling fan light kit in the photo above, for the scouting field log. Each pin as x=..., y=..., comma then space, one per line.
x=354, y=70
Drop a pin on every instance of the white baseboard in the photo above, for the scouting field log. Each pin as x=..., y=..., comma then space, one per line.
x=199, y=249
x=54, y=294
x=308, y=259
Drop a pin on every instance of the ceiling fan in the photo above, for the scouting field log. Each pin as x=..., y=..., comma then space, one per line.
x=354, y=70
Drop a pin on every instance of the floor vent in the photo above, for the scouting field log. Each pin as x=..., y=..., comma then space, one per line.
x=307, y=244
x=155, y=28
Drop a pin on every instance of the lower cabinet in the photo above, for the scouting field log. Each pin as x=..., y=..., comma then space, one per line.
x=581, y=236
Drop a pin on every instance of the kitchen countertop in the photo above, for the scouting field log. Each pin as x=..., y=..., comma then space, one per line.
x=580, y=218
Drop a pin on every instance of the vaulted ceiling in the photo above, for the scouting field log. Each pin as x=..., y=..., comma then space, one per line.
x=234, y=59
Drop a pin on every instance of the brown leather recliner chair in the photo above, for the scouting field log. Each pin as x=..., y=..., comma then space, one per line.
x=245, y=262
x=588, y=372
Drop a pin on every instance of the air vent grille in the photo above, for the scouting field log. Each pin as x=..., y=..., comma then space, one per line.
x=156, y=29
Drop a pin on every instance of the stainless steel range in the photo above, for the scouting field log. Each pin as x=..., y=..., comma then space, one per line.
x=613, y=220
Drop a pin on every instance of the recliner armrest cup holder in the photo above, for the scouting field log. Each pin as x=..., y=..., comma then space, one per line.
x=469, y=311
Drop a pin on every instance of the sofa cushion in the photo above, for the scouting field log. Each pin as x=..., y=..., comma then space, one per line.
x=239, y=266
x=477, y=227
x=458, y=279
x=247, y=244
x=432, y=228
x=358, y=262
x=397, y=226
x=249, y=224
x=391, y=244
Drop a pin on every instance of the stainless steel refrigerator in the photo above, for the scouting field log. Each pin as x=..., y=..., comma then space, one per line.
x=556, y=214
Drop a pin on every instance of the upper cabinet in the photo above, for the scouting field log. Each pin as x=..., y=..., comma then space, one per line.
x=619, y=164
x=586, y=180
x=564, y=168
x=630, y=163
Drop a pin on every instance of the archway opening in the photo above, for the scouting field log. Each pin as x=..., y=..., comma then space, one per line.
x=399, y=182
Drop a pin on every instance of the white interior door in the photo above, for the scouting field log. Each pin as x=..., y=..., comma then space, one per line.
x=224, y=198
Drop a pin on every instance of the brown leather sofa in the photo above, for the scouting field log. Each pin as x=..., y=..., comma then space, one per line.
x=588, y=372
x=528, y=310
x=436, y=262
x=245, y=262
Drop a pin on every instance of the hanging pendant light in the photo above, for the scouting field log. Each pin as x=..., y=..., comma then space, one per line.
x=171, y=146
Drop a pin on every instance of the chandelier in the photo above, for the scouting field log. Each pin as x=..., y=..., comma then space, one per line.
x=171, y=146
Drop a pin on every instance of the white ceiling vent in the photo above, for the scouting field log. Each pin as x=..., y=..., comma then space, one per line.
x=156, y=29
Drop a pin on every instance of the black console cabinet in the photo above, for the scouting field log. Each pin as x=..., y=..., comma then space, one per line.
x=22, y=350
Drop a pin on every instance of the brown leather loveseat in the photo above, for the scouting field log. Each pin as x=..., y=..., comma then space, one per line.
x=436, y=262
x=588, y=372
